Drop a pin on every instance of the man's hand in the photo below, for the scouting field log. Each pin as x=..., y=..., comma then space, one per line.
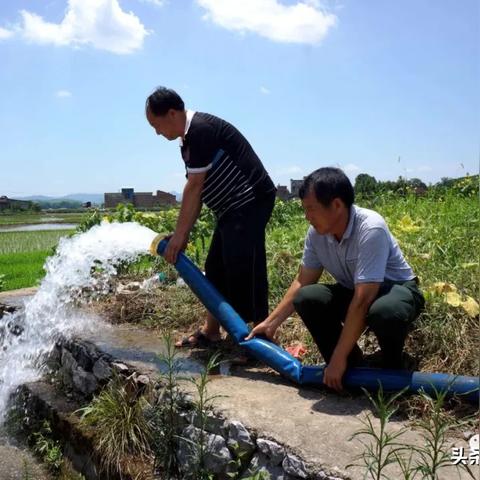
x=176, y=244
x=264, y=328
x=333, y=373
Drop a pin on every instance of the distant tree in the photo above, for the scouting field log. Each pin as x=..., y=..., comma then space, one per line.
x=416, y=182
x=365, y=184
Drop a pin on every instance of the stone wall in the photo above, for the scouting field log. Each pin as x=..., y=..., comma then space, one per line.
x=84, y=370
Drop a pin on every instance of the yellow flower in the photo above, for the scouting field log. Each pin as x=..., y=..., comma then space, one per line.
x=442, y=287
x=471, y=307
x=407, y=225
x=453, y=299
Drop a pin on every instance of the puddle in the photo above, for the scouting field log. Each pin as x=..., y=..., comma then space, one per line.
x=39, y=227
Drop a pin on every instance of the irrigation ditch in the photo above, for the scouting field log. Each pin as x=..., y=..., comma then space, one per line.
x=203, y=443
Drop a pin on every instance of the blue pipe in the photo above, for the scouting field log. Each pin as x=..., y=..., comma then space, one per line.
x=284, y=363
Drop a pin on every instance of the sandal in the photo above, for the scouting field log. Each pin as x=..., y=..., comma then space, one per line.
x=197, y=339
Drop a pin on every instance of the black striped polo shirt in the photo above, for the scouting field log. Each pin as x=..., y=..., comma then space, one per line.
x=235, y=175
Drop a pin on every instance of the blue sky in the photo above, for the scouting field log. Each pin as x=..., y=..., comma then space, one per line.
x=310, y=83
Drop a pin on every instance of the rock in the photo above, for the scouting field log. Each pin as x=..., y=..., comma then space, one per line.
x=120, y=368
x=102, y=370
x=294, y=466
x=68, y=362
x=84, y=382
x=185, y=400
x=217, y=457
x=260, y=463
x=84, y=353
x=239, y=438
x=273, y=451
x=181, y=419
x=213, y=423
x=129, y=288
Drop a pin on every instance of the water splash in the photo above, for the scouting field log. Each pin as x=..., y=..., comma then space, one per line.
x=82, y=267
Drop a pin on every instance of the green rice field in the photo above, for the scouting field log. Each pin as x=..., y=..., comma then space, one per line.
x=22, y=255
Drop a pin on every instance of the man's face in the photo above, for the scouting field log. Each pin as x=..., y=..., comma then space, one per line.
x=323, y=219
x=165, y=125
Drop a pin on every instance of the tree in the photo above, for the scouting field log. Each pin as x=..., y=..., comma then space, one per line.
x=365, y=184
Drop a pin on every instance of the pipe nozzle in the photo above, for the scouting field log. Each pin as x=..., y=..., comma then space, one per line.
x=154, y=245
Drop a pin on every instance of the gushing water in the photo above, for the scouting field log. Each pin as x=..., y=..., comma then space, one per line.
x=82, y=266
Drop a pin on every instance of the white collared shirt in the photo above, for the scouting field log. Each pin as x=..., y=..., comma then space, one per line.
x=190, y=114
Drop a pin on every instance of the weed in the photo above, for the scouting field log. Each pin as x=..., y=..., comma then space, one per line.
x=165, y=413
x=202, y=405
x=121, y=429
x=434, y=454
x=48, y=449
x=383, y=448
x=26, y=471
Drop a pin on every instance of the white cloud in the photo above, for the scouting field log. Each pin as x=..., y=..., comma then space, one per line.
x=98, y=23
x=351, y=169
x=302, y=22
x=4, y=33
x=157, y=3
x=265, y=90
x=63, y=94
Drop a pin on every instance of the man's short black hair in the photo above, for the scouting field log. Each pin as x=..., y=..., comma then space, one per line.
x=162, y=100
x=328, y=183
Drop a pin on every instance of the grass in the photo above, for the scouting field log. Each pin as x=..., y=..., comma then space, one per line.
x=22, y=270
x=122, y=433
x=436, y=234
x=22, y=255
x=24, y=242
x=19, y=218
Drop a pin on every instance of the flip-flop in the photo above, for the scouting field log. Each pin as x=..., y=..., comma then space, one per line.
x=200, y=340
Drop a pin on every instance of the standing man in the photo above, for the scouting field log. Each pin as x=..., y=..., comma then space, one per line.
x=224, y=172
x=374, y=287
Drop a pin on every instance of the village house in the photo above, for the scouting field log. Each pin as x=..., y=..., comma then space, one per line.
x=139, y=199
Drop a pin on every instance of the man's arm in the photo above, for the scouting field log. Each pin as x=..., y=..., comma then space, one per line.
x=363, y=297
x=306, y=276
x=189, y=211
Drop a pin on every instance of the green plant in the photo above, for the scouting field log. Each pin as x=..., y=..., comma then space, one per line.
x=121, y=429
x=260, y=475
x=202, y=405
x=165, y=412
x=383, y=448
x=238, y=463
x=26, y=471
x=434, y=454
x=48, y=449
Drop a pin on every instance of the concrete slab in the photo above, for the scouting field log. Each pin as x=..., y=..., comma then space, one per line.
x=316, y=424
x=18, y=464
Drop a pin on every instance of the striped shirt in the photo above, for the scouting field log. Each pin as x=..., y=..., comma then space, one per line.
x=235, y=175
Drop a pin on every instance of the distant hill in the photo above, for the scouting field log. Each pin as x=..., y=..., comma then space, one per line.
x=95, y=198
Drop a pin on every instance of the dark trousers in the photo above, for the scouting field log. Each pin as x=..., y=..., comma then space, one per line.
x=236, y=263
x=323, y=309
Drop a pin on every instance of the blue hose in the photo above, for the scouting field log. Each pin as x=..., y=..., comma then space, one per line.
x=284, y=363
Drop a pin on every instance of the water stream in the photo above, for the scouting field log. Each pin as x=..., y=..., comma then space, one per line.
x=81, y=269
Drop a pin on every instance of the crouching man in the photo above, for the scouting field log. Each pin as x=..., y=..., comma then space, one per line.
x=375, y=286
